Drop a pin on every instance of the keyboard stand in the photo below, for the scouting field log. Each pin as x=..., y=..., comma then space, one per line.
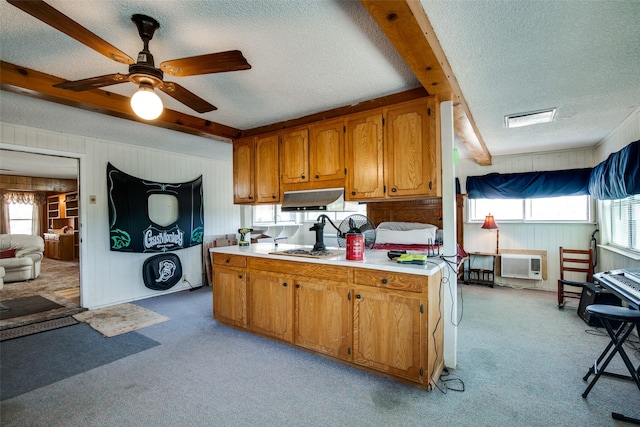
x=629, y=319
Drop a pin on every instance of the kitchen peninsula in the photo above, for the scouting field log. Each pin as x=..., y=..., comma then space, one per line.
x=374, y=314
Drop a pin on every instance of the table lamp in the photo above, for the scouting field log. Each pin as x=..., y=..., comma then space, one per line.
x=490, y=224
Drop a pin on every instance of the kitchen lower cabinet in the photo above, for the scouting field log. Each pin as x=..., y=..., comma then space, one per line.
x=270, y=305
x=327, y=305
x=230, y=296
x=385, y=322
x=386, y=333
x=230, y=292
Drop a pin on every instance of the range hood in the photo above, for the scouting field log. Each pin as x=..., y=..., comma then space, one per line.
x=324, y=200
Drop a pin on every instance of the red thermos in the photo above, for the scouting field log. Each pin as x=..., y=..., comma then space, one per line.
x=355, y=246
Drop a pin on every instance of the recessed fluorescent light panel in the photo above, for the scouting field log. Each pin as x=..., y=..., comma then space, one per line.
x=528, y=119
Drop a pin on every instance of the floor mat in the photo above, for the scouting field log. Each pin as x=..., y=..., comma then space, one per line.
x=38, y=360
x=19, y=307
x=35, y=328
x=119, y=319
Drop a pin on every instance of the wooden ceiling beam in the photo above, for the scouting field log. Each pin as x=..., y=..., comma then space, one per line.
x=407, y=26
x=24, y=81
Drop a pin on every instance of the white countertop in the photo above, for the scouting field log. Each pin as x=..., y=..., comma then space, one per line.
x=373, y=259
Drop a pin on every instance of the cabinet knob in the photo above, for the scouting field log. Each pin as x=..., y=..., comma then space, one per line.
x=384, y=281
x=228, y=261
x=240, y=276
x=284, y=284
x=394, y=189
x=302, y=177
x=353, y=193
x=358, y=296
x=317, y=176
x=297, y=285
x=273, y=196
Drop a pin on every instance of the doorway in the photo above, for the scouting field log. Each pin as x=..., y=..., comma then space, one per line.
x=52, y=181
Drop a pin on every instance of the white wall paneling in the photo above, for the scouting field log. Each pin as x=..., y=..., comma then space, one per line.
x=107, y=277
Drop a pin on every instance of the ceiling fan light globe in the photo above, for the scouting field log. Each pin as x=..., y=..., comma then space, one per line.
x=146, y=103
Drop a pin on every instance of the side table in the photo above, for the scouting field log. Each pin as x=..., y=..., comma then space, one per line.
x=482, y=276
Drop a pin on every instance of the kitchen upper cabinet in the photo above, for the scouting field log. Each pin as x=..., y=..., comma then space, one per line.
x=322, y=317
x=267, y=182
x=412, y=161
x=243, y=171
x=270, y=305
x=365, y=157
x=398, y=157
x=388, y=153
x=294, y=156
x=255, y=170
x=326, y=150
x=386, y=333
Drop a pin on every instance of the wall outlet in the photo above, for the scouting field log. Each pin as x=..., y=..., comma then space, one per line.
x=184, y=277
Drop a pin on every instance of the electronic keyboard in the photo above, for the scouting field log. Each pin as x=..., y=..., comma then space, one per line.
x=624, y=282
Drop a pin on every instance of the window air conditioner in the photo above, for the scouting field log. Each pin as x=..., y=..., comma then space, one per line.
x=521, y=266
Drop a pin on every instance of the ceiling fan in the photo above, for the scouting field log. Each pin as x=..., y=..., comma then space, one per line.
x=142, y=72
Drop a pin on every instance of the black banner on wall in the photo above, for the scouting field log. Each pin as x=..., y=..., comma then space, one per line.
x=131, y=230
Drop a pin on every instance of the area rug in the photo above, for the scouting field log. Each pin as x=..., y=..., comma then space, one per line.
x=38, y=360
x=24, y=306
x=36, y=328
x=119, y=319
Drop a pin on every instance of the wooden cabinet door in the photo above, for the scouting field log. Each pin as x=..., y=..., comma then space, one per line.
x=243, y=171
x=326, y=150
x=365, y=157
x=387, y=333
x=270, y=305
x=294, y=156
x=230, y=296
x=51, y=249
x=322, y=316
x=411, y=165
x=267, y=181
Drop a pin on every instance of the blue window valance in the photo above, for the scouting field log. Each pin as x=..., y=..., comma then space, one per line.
x=529, y=185
x=618, y=176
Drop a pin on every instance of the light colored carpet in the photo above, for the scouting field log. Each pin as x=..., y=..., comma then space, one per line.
x=119, y=319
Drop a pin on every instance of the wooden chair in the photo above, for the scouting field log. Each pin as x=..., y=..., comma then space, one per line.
x=574, y=261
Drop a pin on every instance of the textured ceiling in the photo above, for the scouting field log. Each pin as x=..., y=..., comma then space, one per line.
x=306, y=55
x=309, y=56
x=581, y=57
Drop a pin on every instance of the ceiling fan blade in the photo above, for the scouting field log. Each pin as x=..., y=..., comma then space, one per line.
x=188, y=98
x=220, y=62
x=47, y=14
x=93, y=82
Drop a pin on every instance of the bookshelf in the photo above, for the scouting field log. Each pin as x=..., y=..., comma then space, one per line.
x=63, y=211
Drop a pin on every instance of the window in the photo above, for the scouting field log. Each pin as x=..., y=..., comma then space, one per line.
x=20, y=218
x=625, y=222
x=568, y=208
x=336, y=217
x=272, y=214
